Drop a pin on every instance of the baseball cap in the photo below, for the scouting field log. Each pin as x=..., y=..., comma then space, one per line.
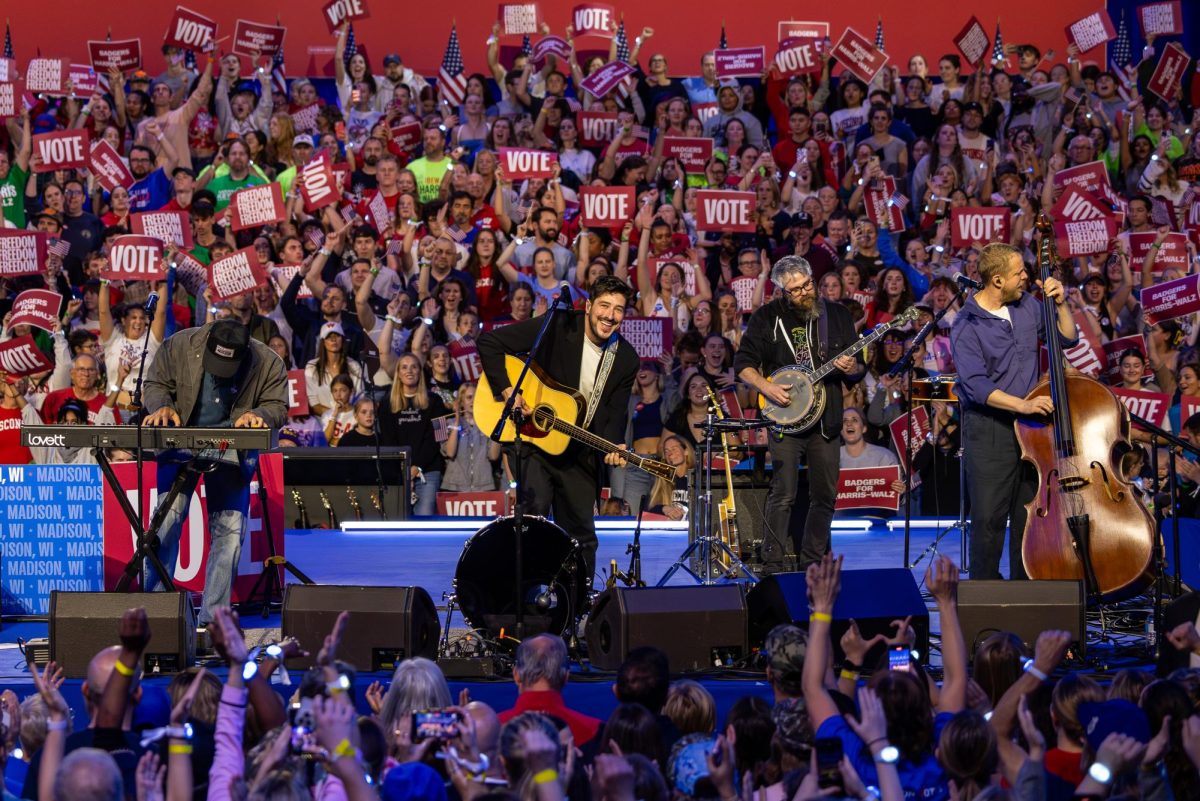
x=302, y=140
x=786, y=645
x=1095, y=277
x=802, y=219
x=1115, y=716
x=793, y=725
x=226, y=347
x=141, y=76
x=331, y=328
x=413, y=781
x=392, y=58
x=972, y=106
x=49, y=214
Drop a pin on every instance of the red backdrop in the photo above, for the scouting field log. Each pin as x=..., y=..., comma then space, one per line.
x=62, y=28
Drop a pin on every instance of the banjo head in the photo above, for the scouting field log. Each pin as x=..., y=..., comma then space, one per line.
x=803, y=396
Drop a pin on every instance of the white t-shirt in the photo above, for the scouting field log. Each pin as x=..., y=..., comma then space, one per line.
x=588, y=367
x=119, y=349
x=318, y=391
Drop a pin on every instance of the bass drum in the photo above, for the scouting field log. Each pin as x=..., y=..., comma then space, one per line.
x=552, y=589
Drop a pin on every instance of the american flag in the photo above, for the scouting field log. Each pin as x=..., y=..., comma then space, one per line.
x=351, y=46
x=278, y=73
x=441, y=427
x=316, y=236
x=8, y=51
x=395, y=246
x=58, y=247
x=724, y=45
x=998, y=46
x=622, y=43
x=189, y=60
x=451, y=79
x=1122, y=51
x=879, y=35
x=526, y=46
x=102, y=75
x=456, y=233
x=348, y=213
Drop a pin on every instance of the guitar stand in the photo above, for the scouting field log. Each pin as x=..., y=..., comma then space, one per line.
x=270, y=580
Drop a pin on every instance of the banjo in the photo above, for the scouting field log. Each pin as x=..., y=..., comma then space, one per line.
x=806, y=386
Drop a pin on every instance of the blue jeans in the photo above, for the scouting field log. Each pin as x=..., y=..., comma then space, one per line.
x=426, y=492
x=227, y=493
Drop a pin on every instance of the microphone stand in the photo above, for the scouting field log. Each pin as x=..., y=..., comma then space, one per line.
x=370, y=385
x=140, y=418
x=511, y=412
x=634, y=549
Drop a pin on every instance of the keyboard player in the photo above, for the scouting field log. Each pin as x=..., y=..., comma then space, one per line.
x=212, y=376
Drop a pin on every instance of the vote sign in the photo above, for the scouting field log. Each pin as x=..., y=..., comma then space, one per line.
x=606, y=206
x=318, y=188
x=339, y=11
x=61, y=150
x=720, y=210
x=135, y=258
x=596, y=128
x=593, y=19
x=799, y=55
x=979, y=224
x=297, y=394
x=189, y=30
x=21, y=356
x=521, y=162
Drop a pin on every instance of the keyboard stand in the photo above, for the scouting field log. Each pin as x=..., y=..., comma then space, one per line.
x=147, y=540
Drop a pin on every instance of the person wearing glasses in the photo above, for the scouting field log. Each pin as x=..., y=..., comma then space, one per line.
x=797, y=327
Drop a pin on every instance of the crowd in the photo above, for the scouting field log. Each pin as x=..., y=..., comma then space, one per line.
x=379, y=298
x=1006, y=722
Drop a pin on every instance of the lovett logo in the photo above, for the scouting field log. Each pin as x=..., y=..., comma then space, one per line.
x=47, y=441
x=224, y=352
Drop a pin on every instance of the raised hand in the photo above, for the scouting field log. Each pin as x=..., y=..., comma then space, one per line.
x=824, y=583
x=151, y=778
x=328, y=653
x=134, y=630
x=375, y=695
x=854, y=646
x=941, y=579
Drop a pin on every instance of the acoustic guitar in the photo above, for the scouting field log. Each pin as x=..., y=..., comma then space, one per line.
x=557, y=412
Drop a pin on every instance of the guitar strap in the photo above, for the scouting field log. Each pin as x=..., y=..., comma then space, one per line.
x=606, y=363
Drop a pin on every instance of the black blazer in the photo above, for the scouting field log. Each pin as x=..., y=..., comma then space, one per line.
x=560, y=356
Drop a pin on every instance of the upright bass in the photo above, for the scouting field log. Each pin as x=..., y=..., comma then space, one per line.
x=1085, y=523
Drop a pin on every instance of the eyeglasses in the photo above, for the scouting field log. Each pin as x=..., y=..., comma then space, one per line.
x=802, y=289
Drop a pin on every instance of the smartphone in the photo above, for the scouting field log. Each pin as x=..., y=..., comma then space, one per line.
x=340, y=131
x=829, y=758
x=434, y=724
x=898, y=658
x=355, y=95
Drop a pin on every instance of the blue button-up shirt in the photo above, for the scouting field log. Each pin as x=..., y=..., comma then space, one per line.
x=991, y=354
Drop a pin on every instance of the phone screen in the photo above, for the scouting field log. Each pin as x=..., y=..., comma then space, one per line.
x=829, y=758
x=434, y=724
x=898, y=658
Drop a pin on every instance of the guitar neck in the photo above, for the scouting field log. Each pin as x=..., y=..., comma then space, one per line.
x=599, y=443
x=866, y=341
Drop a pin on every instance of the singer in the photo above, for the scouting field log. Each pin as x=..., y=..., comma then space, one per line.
x=212, y=376
x=581, y=349
x=995, y=341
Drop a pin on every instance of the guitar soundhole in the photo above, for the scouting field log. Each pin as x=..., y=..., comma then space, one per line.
x=543, y=418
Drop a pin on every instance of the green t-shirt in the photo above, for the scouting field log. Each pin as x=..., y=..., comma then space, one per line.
x=429, y=176
x=224, y=186
x=12, y=195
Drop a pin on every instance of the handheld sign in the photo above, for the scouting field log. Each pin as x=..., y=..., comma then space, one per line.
x=21, y=357
x=520, y=162
x=606, y=206
x=971, y=224
x=607, y=78
x=124, y=55
x=256, y=205
x=799, y=55
x=593, y=19
x=596, y=128
x=973, y=41
x=868, y=488
x=518, y=19
x=1074, y=204
x=21, y=252
x=297, y=394
x=47, y=76
x=61, y=150
x=135, y=258
x=1092, y=31
x=740, y=62
x=251, y=37
x=693, y=151
x=1161, y=19
x=859, y=55
x=338, y=11
x=36, y=307
x=719, y=210
x=1085, y=237
x=108, y=167
x=236, y=274
x=166, y=226
x=189, y=30
x=1167, y=73
x=318, y=187
x=10, y=99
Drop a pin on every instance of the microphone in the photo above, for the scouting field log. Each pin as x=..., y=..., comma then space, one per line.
x=151, y=303
x=564, y=294
x=967, y=283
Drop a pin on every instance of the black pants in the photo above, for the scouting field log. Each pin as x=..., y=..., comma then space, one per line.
x=823, y=457
x=999, y=485
x=566, y=485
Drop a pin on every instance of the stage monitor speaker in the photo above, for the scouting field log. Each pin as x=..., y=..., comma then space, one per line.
x=1026, y=608
x=387, y=624
x=698, y=628
x=84, y=623
x=324, y=487
x=872, y=598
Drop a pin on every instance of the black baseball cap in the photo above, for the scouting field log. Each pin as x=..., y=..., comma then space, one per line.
x=802, y=219
x=972, y=106
x=226, y=348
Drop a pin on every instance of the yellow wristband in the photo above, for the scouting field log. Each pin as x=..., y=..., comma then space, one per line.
x=849, y=675
x=821, y=617
x=345, y=749
x=545, y=776
x=179, y=748
x=124, y=669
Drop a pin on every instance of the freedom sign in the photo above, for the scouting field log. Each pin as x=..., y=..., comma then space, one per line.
x=868, y=488
x=1092, y=31
x=1172, y=254
x=859, y=55
x=1161, y=19
x=979, y=224
x=1171, y=66
x=166, y=226
x=256, y=205
x=106, y=164
x=596, y=128
x=517, y=19
x=1091, y=177
x=607, y=78
x=47, y=75
x=135, y=258
x=593, y=19
x=36, y=307
x=606, y=206
x=318, y=188
x=61, y=150
x=297, y=394
x=251, y=38
x=693, y=151
x=740, y=62
x=338, y=11
x=1145, y=404
x=21, y=356
x=21, y=252
x=282, y=275
x=1171, y=299
x=1085, y=237
x=973, y=41
x=237, y=273
x=124, y=55
x=650, y=336
x=721, y=210
x=1074, y=204
x=189, y=30
x=799, y=55
x=521, y=162
x=10, y=99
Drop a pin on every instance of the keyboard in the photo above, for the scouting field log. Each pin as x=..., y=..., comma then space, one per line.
x=153, y=437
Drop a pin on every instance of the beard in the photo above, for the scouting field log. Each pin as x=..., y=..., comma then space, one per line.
x=805, y=308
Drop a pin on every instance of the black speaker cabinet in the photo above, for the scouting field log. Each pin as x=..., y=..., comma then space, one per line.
x=872, y=598
x=1026, y=608
x=387, y=624
x=325, y=487
x=697, y=627
x=84, y=623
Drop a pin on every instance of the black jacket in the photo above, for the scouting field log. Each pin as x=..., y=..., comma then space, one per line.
x=560, y=356
x=765, y=348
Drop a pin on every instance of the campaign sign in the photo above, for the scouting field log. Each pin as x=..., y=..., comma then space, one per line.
x=596, y=128
x=1085, y=237
x=317, y=185
x=1171, y=299
x=47, y=75
x=83, y=80
x=880, y=202
x=282, y=275
x=10, y=99
x=106, y=164
x=406, y=135
x=740, y=62
x=693, y=151
x=915, y=422
x=124, y=55
x=53, y=534
x=167, y=226
x=973, y=41
x=251, y=38
x=859, y=55
x=1145, y=404
x=593, y=19
x=720, y=210
x=656, y=264
x=868, y=488
x=551, y=46
x=189, y=30
x=522, y=162
x=1086, y=355
x=788, y=29
x=304, y=118
x=377, y=211
x=257, y=205
x=1091, y=177
x=21, y=252
x=1075, y=205
x=61, y=150
x=36, y=307
x=135, y=258
x=606, y=206
x=8, y=69
x=1161, y=19
x=1112, y=356
x=297, y=394
x=472, y=504
x=650, y=336
x=518, y=19
x=465, y=358
x=237, y=273
x=605, y=79
x=1092, y=31
x=1172, y=254
x=1188, y=406
x=1171, y=66
x=743, y=290
x=971, y=224
x=21, y=356
x=338, y=11
x=799, y=55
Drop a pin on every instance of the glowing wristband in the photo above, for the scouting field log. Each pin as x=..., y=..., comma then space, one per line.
x=345, y=749
x=1033, y=671
x=124, y=669
x=179, y=748
x=56, y=725
x=545, y=776
x=821, y=617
